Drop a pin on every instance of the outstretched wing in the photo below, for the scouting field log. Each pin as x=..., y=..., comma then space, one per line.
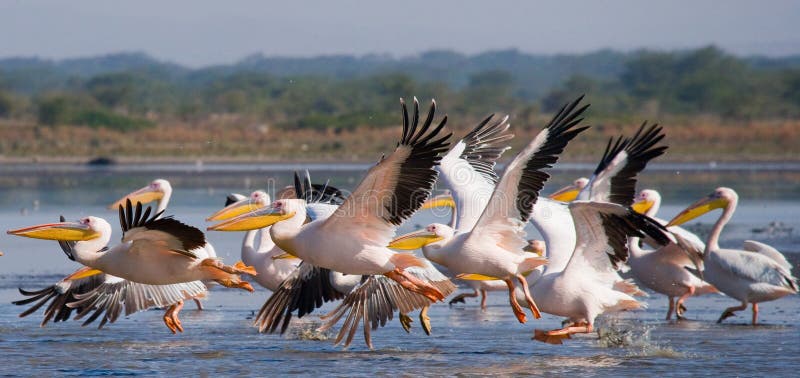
x=511, y=204
x=59, y=295
x=107, y=301
x=375, y=300
x=397, y=186
x=157, y=234
x=602, y=232
x=468, y=168
x=614, y=180
x=305, y=290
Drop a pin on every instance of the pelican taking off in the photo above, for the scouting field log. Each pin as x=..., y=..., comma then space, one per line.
x=757, y=273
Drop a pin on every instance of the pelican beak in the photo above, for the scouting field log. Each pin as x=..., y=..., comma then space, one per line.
x=697, y=209
x=566, y=194
x=414, y=240
x=285, y=255
x=83, y=273
x=62, y=231
x=252, y=221
x=143, y=195
x=235, y=209
x=642, y=206
x=444, y=200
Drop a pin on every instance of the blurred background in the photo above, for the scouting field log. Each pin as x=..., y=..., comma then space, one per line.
x=256, y=81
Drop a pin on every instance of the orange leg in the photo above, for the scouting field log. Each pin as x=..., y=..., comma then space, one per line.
x=416, y=285
x=198, y=303
x=755, y=313
x=483, y=299
x=528, y=297
x=555, y=336
x=680, y=308
x=171, y=318
x=513, y=300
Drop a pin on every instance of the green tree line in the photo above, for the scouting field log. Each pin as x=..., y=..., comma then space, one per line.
x=134, y=92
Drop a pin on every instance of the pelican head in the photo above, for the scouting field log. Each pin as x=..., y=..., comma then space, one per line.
x=645, y=201
x=159, y=189
x=280, y=210
x=257, y=200
x=443, y=200
x=570, y=192
x=718, y=199
x=535, y=246
x=434, y=233
x=93, y=232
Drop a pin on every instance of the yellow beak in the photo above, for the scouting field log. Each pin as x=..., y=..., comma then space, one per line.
x=82, y=273
x=285, y=255
x=566, y=194
x=439, y=201
x=143, y=195
x=414, y=240
x=62, y=231
x=252, y=221
x=697, y=209
x=642, y=206
x=235, y=209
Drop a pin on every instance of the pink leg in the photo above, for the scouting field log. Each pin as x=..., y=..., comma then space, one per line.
x=483, y=299
x=729, y=311
x=680, y=308
x=755, y=313
x=671, y=307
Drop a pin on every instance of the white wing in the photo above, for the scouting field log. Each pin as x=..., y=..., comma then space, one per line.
x=614, y=180
x=753, y=267
x=396, y=187
x=468, y=168
x=766, y=250
x=511, y=204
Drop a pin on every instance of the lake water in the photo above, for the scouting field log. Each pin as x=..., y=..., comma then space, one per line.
x=466, y=340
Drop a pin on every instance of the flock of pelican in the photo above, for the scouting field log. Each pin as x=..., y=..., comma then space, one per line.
x=313, y=244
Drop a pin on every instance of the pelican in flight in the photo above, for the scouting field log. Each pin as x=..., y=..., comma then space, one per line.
x=757, y=273
x=354, y=239
x=663, y=270
x=91, y=292
x=154, y=251
x=160, y=190
x=492, y=248
x=586, y=240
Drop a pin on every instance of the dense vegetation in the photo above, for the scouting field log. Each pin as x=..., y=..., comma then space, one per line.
x=132, y=92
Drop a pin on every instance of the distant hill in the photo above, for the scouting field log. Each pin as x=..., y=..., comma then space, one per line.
x=533, y=74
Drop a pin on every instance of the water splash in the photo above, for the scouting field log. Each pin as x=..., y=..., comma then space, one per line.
x=634, y=336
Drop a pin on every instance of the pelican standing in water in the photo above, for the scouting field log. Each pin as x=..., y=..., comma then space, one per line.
x=160, y=190
x=353, y=239
x=493, y=248
x=664, y=270
x=154, y=251
x=758, y=273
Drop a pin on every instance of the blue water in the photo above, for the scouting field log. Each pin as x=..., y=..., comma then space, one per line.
x=465, y=340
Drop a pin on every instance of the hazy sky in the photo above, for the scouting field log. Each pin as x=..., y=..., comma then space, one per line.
x=202, y=32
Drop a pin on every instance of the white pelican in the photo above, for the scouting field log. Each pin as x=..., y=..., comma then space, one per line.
x=663, y=270
x=570, y=192
x=88, y=290
x=492, y=248
x=154, y=251
x=160, y=190
x=581, y=280
x=757, y=273
x=353, y=240
x=270, y=262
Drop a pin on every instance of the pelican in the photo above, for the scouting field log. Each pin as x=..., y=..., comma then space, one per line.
x=154, y=251
x=663, y=270
x=570, y=192
x=270, y=262
x=91, y=291
x=160, y=190
x=581, y=280
x=757, y=273
x=354, y=239
x=492, y=248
